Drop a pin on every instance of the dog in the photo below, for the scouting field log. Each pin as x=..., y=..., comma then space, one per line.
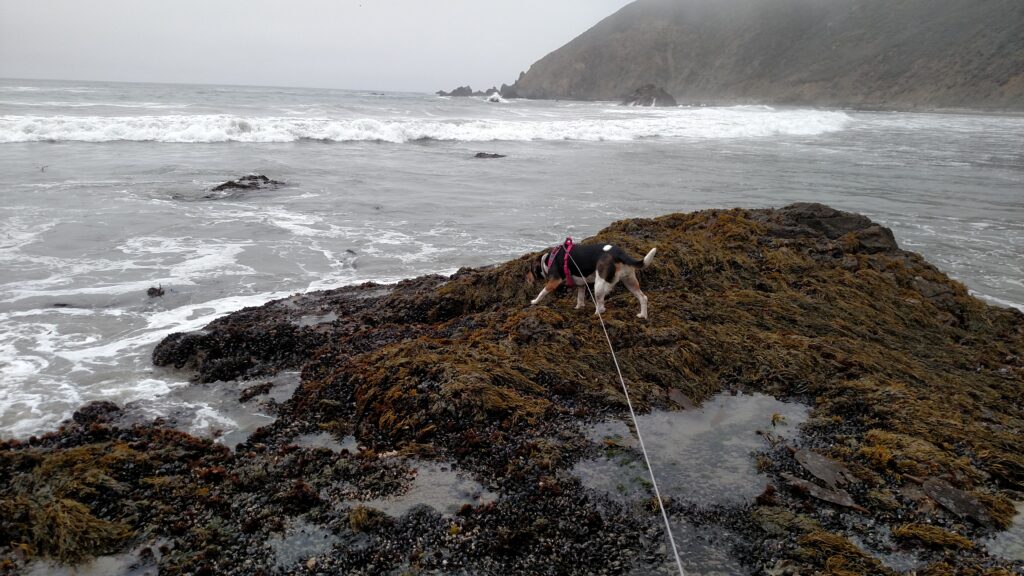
x=603, y=264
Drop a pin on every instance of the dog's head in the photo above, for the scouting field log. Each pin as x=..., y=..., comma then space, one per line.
x=538, y=270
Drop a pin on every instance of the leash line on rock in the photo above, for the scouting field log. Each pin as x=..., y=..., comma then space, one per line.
x=636, y=426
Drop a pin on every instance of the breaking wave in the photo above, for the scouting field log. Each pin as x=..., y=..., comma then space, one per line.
x=703, y=123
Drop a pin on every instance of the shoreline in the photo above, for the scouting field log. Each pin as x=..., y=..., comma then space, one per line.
x=908, y=109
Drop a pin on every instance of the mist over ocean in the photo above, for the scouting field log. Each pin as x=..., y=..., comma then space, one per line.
x=105, y=192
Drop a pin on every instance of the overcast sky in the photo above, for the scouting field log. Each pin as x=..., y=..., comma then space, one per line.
x=415, y=45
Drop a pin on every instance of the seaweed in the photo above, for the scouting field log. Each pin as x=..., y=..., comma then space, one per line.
x=837, y=555
x=932, y=536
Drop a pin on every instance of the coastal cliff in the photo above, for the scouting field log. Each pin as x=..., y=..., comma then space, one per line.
x=866, y=53
x=914, y=436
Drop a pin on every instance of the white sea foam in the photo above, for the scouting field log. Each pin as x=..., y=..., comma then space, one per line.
x=161, y=324
x=36, y=361
x=999, y=301
x=69, y=104
x=196, y=259
x=682, y=123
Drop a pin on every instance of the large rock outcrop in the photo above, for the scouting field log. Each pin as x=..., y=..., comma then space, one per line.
x=914, y=387
x=649, y=95
x=861, y=53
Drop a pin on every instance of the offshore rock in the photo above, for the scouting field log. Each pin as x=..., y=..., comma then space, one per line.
x=649, y=95
x=460, y=371
x=464, y=91
x=249, y=182
x=461, y=91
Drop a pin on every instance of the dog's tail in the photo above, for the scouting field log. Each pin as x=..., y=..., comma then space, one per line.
x=650, y=257
x=641, y=263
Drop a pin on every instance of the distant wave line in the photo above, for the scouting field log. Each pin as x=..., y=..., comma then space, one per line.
x=679, y=124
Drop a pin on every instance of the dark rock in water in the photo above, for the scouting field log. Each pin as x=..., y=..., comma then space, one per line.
x=461, y=91
x=155, y=291
x=254, y=391
x=488, y=155
x=61, y=305
x=825, y=469
x=649, y=95
x=956, y=501
x=250, y=182
x=464, y=91
x=97, y=412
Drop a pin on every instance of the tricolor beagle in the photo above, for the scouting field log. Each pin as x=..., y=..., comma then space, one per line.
x=602, y=264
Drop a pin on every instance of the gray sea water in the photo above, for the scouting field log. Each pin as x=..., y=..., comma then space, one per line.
x=105, y=192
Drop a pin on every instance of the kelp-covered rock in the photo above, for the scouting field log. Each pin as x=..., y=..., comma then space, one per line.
x=909, y=379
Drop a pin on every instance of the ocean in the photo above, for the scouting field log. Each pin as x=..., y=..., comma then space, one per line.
x=106, y=192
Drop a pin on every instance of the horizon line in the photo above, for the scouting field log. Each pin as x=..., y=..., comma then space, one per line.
x=225, y=84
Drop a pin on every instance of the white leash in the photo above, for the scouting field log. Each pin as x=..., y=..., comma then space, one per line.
x=636, y=426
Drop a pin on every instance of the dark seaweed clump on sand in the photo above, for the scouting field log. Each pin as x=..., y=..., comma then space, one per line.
x=915, y=431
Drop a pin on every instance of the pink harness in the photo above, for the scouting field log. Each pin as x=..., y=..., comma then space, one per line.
x=567, y=248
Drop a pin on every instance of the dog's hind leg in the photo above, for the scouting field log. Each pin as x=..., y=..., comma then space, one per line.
x=601, y=289
x=633, y=285
x=581, y=297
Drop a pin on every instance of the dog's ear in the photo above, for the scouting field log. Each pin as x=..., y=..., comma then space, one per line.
x=536, y=270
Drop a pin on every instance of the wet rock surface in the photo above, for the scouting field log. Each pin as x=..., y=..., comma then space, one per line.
x=649, y=95
x=956, y=501
x=465, y=91
x=248, y=182
x=907, y=378
x=829, y=471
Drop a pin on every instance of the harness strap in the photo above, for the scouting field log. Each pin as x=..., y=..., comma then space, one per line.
x=565, y=263
x=550, y=260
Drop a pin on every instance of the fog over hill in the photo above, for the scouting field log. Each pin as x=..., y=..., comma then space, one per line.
x=861, y=53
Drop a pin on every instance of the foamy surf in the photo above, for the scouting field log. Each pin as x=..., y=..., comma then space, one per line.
x=40, y=363
x=680, y=123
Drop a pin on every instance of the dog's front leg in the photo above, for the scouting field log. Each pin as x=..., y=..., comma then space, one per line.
x=549, y=287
